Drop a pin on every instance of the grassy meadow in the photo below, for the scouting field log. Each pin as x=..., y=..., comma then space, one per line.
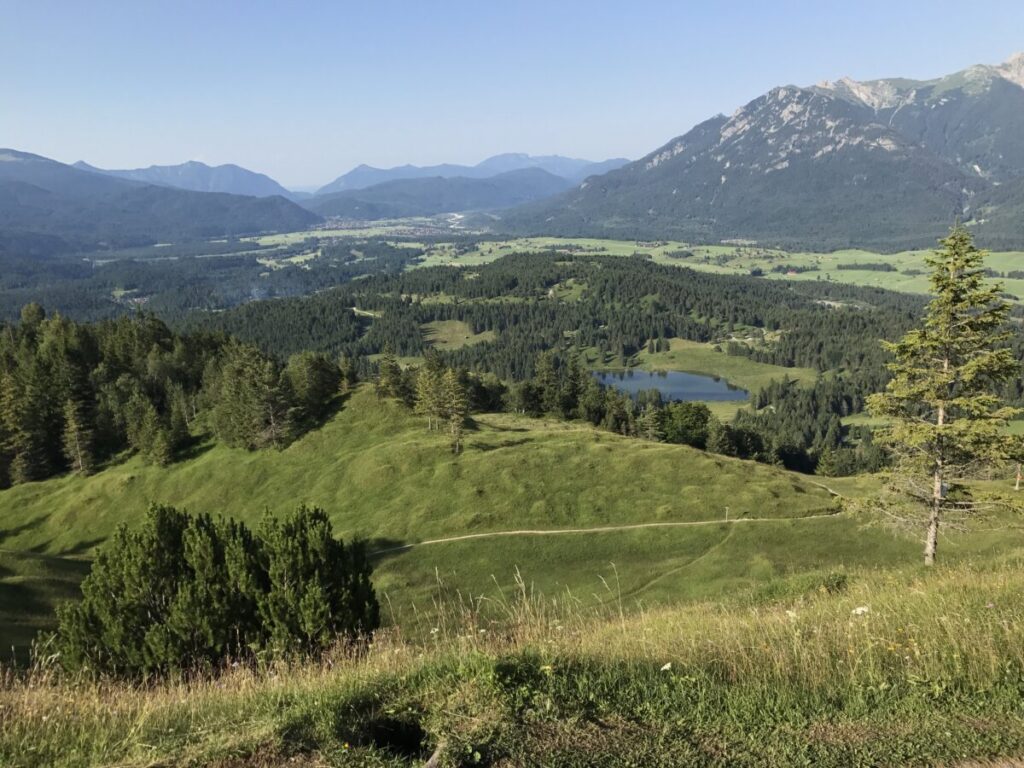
x=570, y=509
x=452, y=334
x=910, y=275
x=846, y=668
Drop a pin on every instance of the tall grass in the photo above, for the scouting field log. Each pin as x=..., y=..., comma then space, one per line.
x=860, y=668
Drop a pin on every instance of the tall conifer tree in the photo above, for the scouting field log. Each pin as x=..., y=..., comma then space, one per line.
x=944, y=415
x=456, y=405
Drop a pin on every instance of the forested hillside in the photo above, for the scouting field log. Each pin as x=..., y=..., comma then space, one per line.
x=73, y=397
x=605, y=311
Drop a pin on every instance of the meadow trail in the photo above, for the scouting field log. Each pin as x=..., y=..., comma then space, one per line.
x=600, y=529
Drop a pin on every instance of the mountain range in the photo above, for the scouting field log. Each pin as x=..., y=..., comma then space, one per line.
x=572, y=169
x=886, y=164
x=48, y=207
x=200, y=177
x=883, y=164
x=437, y=194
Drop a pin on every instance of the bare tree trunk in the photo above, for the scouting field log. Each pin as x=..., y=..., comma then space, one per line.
x=1016, y=487
x=932, y=539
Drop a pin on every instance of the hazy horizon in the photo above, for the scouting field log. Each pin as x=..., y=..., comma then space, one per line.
x=306, y=94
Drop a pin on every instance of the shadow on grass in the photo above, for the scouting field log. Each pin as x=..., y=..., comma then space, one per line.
x=382, y=548
x=508, y=429
x=82, y=547
x=334, y=407
x=195, y=447
x=503, y=444
x=10, y=533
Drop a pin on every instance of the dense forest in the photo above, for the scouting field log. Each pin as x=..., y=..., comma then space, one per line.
x=614, y=307
x=258, y=372
x=73, y=396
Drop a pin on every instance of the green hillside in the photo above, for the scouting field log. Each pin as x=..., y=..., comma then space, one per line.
x=381, y=475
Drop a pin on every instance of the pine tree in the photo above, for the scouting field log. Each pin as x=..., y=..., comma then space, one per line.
x=456, y=407
x=546, y=378
x=429, y=396
x=78, y=437
x=828, y=463
x=944, y=415
x=573, y=388
x=389, y=375
x=253, y=406
x=347, y=371
x=591, y=402
x=314, y=380
x=177, y=419
x=720, y=438
x=651, y=423
x=687, y=423
x=25, y=410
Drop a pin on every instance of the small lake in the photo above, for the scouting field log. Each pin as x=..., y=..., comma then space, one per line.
x=673, y=385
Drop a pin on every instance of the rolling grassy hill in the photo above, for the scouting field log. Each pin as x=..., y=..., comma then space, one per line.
x=382, y=476
x=536, y=615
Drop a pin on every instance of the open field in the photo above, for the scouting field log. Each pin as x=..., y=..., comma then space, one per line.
x=382, y=476
x=909, y=275
x=452, y=334
x=829, y=669
x=695, y=357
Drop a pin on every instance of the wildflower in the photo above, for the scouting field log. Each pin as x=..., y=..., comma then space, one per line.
x=667, y=667
x=791, y=614
x=547, y=669
x=860, y=610
x=435, y=630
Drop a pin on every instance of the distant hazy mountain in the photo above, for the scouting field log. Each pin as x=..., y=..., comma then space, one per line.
x=569, y=168
x=48, y=207
x=425, y=197
x=886, y=163
x=200, y=177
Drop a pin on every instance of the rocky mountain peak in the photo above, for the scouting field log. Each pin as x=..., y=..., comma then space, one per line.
x=1013, y=69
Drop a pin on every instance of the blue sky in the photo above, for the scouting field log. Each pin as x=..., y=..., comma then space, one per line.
x=304, y=91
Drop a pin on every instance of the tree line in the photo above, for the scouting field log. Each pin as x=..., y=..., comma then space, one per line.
x=74, y=395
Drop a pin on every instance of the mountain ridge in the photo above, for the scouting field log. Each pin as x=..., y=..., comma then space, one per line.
x=432, y=195
x=197, y=176
x=47, y=207
x=572, y=169
x=818, y=166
